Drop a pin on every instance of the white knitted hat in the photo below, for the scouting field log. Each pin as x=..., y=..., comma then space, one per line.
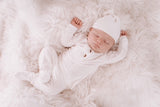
x=110, y=24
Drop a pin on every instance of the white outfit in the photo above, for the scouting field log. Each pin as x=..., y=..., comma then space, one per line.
x=80, y=61
x=76, y=63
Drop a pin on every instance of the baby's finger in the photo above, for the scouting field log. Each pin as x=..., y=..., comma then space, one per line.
x=74, y=18
x=81, y=23
x=78, y=21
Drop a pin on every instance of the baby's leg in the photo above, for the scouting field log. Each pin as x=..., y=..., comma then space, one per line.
x=48, y=66
x=55, y=86
x=47, y=60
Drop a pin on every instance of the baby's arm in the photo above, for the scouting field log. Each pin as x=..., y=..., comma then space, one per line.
x=115, y=56
x=67, y=37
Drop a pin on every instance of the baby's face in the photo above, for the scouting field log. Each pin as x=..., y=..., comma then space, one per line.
x=99, y=41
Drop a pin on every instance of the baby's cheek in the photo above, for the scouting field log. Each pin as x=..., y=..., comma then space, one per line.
x=89, y=41
x=103, y=50
x=106, y=47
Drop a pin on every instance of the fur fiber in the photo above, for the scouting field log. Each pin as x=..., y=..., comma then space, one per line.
x=26, y=26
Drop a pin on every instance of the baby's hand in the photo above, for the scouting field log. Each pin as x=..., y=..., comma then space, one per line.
x=123, y=33
x=76, y=22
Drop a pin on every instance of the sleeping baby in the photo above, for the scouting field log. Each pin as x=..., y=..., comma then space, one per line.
x=83, y=57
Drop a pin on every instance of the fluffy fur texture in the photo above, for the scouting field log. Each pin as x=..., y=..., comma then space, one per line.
x=26, y=26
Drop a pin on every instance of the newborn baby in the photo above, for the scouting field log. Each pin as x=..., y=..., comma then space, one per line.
x=82, y=59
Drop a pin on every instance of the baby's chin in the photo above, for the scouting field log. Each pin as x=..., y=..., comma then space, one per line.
x=97, y=50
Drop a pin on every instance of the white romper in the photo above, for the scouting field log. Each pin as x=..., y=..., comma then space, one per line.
x=75, y=64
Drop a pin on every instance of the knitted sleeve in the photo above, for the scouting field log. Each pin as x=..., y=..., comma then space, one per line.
x=115, y=56
x=67, y=36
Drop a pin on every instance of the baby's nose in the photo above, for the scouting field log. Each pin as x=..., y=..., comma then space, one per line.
x=99, y=41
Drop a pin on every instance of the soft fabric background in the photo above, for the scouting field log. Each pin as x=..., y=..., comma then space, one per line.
x=26, y=26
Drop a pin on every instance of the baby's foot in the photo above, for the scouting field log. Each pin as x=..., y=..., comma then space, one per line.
x=36, y=80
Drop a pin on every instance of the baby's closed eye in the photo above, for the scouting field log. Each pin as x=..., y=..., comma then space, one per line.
x=106, y=42
x=97, y=36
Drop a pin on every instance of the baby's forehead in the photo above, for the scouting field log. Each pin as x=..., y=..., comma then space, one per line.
x=102, y=34
x=98, y=31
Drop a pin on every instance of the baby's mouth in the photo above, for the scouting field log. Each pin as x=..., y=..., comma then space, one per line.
x=96, y=46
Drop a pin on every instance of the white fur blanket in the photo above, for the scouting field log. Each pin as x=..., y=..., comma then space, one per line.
x=27, y=25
